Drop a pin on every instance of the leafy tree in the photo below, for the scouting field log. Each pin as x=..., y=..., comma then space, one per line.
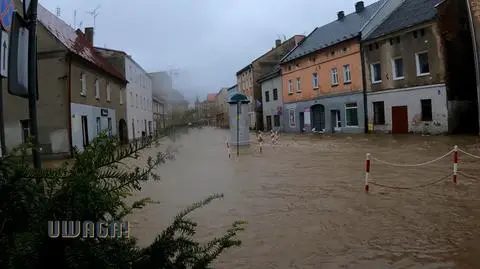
x=93, y=186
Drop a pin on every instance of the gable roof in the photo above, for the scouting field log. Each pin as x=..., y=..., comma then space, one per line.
x=75, y=41
x=334, y=32
x=211, y=97
x=410, y=13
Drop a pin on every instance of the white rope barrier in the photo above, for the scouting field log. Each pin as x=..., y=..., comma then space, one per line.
x=469, y=154
x=412, y=165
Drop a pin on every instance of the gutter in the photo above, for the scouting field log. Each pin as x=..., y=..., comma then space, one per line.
x=69, y=109
x=475, y=53
x=364, y=86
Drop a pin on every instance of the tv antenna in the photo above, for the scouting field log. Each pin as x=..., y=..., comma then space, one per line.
x=94, y=13
x=58, y=10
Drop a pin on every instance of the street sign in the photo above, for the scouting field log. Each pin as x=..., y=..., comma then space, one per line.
x=4, y=45
x=6, y=12
x=18, y=58
x=26, y=8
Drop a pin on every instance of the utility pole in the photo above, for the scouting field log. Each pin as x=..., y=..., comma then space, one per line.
x=32, y=80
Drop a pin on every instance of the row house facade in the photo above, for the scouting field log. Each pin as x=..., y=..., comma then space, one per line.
x=222, y=108
x=272, y=103
x=322, y=81
x=247, y=77
x=139, y=103
x=405, y=76
x=80, y=93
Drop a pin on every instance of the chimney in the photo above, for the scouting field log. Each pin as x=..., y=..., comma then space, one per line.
x=89, y=34
x=278, y=42
x=359, y=6
x=340, y=15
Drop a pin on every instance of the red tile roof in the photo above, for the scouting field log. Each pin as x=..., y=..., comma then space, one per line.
x=75, y=41
x=211, y=97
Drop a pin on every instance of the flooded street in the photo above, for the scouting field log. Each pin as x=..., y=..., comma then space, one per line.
x=306, y=207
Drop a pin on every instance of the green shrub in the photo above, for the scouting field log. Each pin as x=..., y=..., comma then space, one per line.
x=93, y=187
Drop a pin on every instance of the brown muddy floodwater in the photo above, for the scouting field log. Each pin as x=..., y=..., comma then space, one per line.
x=306, y=208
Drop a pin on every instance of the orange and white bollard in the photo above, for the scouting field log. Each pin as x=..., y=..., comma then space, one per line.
x=367, y=171
x=455, y=164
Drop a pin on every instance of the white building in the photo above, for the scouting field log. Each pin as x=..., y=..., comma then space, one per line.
x=139, y=100
x=139, y=103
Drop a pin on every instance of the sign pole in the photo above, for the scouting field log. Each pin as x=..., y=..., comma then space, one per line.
x=238, y=128
x=32, y=81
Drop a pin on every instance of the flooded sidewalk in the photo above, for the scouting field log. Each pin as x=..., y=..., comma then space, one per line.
x=306, y=207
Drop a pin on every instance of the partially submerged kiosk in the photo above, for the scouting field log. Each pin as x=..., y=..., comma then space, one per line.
x=239, y=131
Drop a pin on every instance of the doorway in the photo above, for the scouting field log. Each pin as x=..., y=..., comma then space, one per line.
x=85, y=131
x=335, y=121
x=269, y=123
x=123, y=132
x=399, y=119
x=301, y=122
x=318, y=117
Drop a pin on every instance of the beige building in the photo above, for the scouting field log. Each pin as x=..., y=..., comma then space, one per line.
x=222, y=108
x=80, y=93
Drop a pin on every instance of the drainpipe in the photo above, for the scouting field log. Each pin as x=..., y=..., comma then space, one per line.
x=69, y=107
x=364, y=86
x=475, y=53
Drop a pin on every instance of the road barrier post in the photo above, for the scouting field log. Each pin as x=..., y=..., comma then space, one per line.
x=367, y=171
x=455, y=164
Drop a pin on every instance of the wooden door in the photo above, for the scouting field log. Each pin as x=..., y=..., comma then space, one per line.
x=399, y=119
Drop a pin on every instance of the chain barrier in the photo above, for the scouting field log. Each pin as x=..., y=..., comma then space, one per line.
x=436, y=181
x=454, y=173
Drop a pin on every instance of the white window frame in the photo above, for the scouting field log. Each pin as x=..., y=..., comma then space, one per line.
x=99, y=125
x=121, y=96
x=417, y=63
x=347, y=74
x=298, y=84
x=372, y=73
x=131, y=99
x=290, y=86
x=346, y=114
x=136, y=100
x=109, y=92
x=97, y=89
x=83, y=84
x=315, y=80
x=394, y=69
x=334, y=76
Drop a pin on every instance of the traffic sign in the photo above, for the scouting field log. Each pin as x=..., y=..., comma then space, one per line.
x=4, y=45
x=6, y=12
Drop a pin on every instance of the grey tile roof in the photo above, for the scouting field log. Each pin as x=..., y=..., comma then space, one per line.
x=410, y=13
x=334, y=32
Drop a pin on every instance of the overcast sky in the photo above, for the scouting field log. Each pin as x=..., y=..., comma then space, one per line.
x=208, y=41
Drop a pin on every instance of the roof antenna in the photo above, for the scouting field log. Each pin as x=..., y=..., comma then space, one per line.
x=58, y=10
x=94, y=13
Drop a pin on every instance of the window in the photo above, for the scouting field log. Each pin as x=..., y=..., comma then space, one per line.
x=99, y=125
x=334, y=76
x=97, y=88
x=378, y=113
x=290, y=88
x=346, y=74
x=83, y=82
x=136, y=100
x=121, y=96
x=423, y=68
x=275, y=94
x=426, y=109
x=415, y=34
x=298, y=85
x=315, y=80
x=109, y=92
x=276, y=120
x=376, y=73
x=110, y=126
x=397, y=68
x=267, y=96
x=25, y=125
x=351, y=114
x=131, y=99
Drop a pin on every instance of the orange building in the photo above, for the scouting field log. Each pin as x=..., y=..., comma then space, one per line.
x=322, y=77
